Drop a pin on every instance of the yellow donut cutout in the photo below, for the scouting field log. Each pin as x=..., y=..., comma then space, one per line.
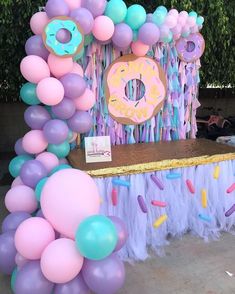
x=119, y=73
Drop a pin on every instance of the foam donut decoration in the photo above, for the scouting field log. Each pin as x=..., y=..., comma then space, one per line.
x=127, y=68
x=191, y=48
x=73, y=46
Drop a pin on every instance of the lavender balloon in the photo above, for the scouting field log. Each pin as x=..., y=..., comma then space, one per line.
x=65, y=109
x=81, y=122
x=105, y=276
x=74, y=85
x=96, y=7
x=35, y=46
x=7, y=252
x=76, y=286
x=32, y=172
x=13, y=220
x=122, y=36
x=55, y=131
x=31, y=280
x=36, y=116
x=40, y=213
x=149, y=34
x=19, y=150
x=56, y=8
x=121, y=231
x=84, y=17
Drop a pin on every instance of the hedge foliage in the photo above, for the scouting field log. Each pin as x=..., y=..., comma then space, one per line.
x=218, y=62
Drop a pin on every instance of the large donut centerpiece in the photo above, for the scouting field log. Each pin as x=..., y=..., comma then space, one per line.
x=73, y=46
x=191, y=48
x=120, y=72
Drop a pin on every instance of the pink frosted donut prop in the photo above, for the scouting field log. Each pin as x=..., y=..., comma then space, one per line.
x=191, y=48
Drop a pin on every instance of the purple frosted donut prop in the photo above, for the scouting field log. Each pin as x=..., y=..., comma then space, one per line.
x=191, y=48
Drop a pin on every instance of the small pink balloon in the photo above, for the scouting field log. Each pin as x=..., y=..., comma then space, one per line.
x=17, y=182
x=73, y=4
x=38, y=22
x=191, y=21
x=174, y=12
x=33, y=236
x=86, y=101
x=177, y=29
x=103, y=28
x=60, y=66
x=34, y=68
x=20, y=260
x=176, y=36
x=170, y=21
x=21, y=198
x=34, y=142
x=195, y=29
x=49, y=160
x=139, y=49
x=63, y=202
x=61, y=261
x=77, y=69
x=50, y=91
x=183, y=15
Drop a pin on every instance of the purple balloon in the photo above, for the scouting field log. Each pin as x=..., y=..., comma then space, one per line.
x=36, y=116
x=104, y=276
x=63, y=36
x=40, y=213
x=76, y=286
x=84, y=17
x=7, y=252
x=96, y=7
x=149, y=33
x=55, y=131
x=149, y=17
x=35, y=46
x=30, y=279
x=122, y=36
x=19, y=150
x=13, y=220
x=65, y=109
x=81, y=122
x=121, y=231
x=56, y=8
x=74, y=85
x=32, y=172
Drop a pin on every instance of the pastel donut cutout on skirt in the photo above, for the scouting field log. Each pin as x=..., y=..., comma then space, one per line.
x=127, y=68
x=73, y=46
x=191, y=48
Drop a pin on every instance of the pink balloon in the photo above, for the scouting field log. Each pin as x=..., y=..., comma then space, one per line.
x=86, y=101
x=191, y=21
x=139, y=49
x=38, y=22
x=20, y=260
x=73, y=4
x=17, y=182
x=195, y=29
x=103, y=28
x=34, y=68
x=21, y=198
x=33, y=236
x=60, y=66
x=63, y=161
x=65, y=204
x=177, y=29
x=183, y=15
x=50, y=91
x=170, y=21
x=61, y=261
x=77, y=69
x=49, y=160
x=174, y=12
x=34, y=142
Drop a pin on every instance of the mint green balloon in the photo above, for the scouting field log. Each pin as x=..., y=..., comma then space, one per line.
x=96, y=237
x=59, y=167
x=16, y=164
x=163, y=9
x=200, y=20
x=60, y=150
x=88, y=39
x=159, y=17
x=136, y=16
x=39, y=187
x=13, y=279
x=169, y=38
x=193, y=14
x=116, y=10
x=29, y=95
x=79, y=55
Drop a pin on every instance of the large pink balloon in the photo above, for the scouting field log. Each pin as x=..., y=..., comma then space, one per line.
x=86, y=101
x=77, y=69
x=34, y=142
x=68, y=197
x=60, y=66
x=103, y=28
x=61, y=262
x=139, y=48
x=17, y=182
x=34, y=68
x=38, y=22
x=21, y=198
x=33, y=236
x=49, y=160
x=50, y=91
x=73, y=4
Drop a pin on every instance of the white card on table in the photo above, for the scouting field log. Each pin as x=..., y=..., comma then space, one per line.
x=98, y=149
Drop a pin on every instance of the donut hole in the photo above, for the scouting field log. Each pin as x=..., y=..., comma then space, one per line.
x=135, y=90
x=63, y=36
x=190, y=46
